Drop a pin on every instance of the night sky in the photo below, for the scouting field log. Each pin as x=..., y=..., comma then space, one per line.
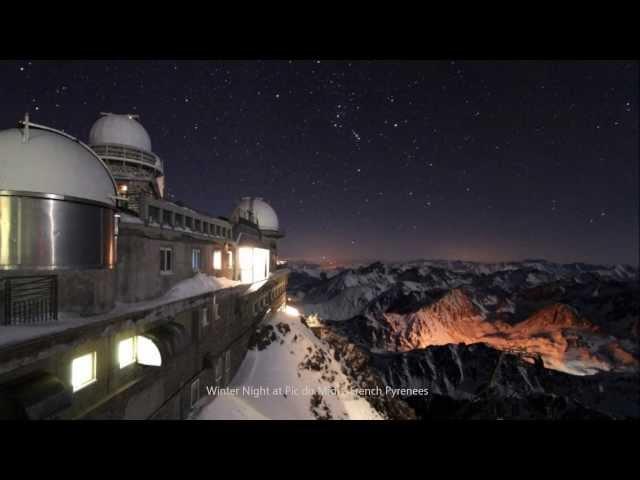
x=468, y=160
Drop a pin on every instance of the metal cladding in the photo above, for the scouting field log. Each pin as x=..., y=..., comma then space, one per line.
x=57, y=201
x=50, y=233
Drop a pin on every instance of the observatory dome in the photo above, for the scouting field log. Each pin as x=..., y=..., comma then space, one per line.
x=257, y=210
x=47, y=162
x=120, y=130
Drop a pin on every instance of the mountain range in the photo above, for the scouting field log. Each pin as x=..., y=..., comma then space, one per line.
x=543, y=330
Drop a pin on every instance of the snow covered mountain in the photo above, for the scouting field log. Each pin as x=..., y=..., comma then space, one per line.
x=289, y=374
x=530, y=339
x=580, y=318
x=480, y=382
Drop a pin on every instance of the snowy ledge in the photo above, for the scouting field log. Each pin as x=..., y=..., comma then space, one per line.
x=199, y=284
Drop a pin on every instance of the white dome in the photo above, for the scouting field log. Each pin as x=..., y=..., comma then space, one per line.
x=262, y=213
x=119, y=130
x=49, y=162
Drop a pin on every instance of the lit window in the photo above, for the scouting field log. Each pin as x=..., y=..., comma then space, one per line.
x=83, y=371
x=217, y=260
x=138, y=349
x=253, y=263
x=127, y=352
x=147, y=352
x=230, y=259
x=204, y=317
x=195, y=259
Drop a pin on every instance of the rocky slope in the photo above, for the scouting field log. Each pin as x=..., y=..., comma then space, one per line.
x=477, y=381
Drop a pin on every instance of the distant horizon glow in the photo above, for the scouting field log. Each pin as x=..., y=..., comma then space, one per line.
x=362, y=260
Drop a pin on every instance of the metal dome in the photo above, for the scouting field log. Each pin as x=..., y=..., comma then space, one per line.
x=114, y=129
x=257, y=210
x=42, y=160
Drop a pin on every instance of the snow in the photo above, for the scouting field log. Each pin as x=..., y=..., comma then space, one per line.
x=278, y=367
x=197, y=285
x=128, y=218
x=191, y=287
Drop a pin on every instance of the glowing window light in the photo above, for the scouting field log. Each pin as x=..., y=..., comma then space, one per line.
x=83, y=371
x=260, y=264
x=217, y=260
x=147, y=352
x=253, y=263
x=127, y=352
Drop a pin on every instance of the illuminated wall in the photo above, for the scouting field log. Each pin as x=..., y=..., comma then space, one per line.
x=253, y=263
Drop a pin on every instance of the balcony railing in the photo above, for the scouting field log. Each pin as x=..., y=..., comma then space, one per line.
x=124, y=153
x=29, y=300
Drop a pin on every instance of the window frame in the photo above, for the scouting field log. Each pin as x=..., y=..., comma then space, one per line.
x=217, y=253
x=134, y=350
x=166, y=260
x=196, y=254
x=94, y=375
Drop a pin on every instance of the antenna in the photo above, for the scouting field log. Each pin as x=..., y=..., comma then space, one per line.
x=25, y=130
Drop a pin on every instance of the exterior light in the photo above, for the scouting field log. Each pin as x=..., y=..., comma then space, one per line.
x=291, y=311
x=148, y=353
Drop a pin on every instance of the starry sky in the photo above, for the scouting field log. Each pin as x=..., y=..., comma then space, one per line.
x=473, y=160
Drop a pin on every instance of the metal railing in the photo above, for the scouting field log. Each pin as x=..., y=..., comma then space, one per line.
x=29, y=300
x=124, y=153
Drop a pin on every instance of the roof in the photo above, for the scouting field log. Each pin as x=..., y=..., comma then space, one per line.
x=45, y=161
x=257, y=210
x=115, y=129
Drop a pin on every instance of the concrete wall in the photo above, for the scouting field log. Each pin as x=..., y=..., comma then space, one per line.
x=138, y=391
x=139, y=276
x=87, y=292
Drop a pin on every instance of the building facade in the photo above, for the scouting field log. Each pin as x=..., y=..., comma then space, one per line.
x=114, y=301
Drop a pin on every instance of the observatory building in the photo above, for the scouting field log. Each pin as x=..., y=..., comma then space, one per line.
x=125, y=146
x=114, y=301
